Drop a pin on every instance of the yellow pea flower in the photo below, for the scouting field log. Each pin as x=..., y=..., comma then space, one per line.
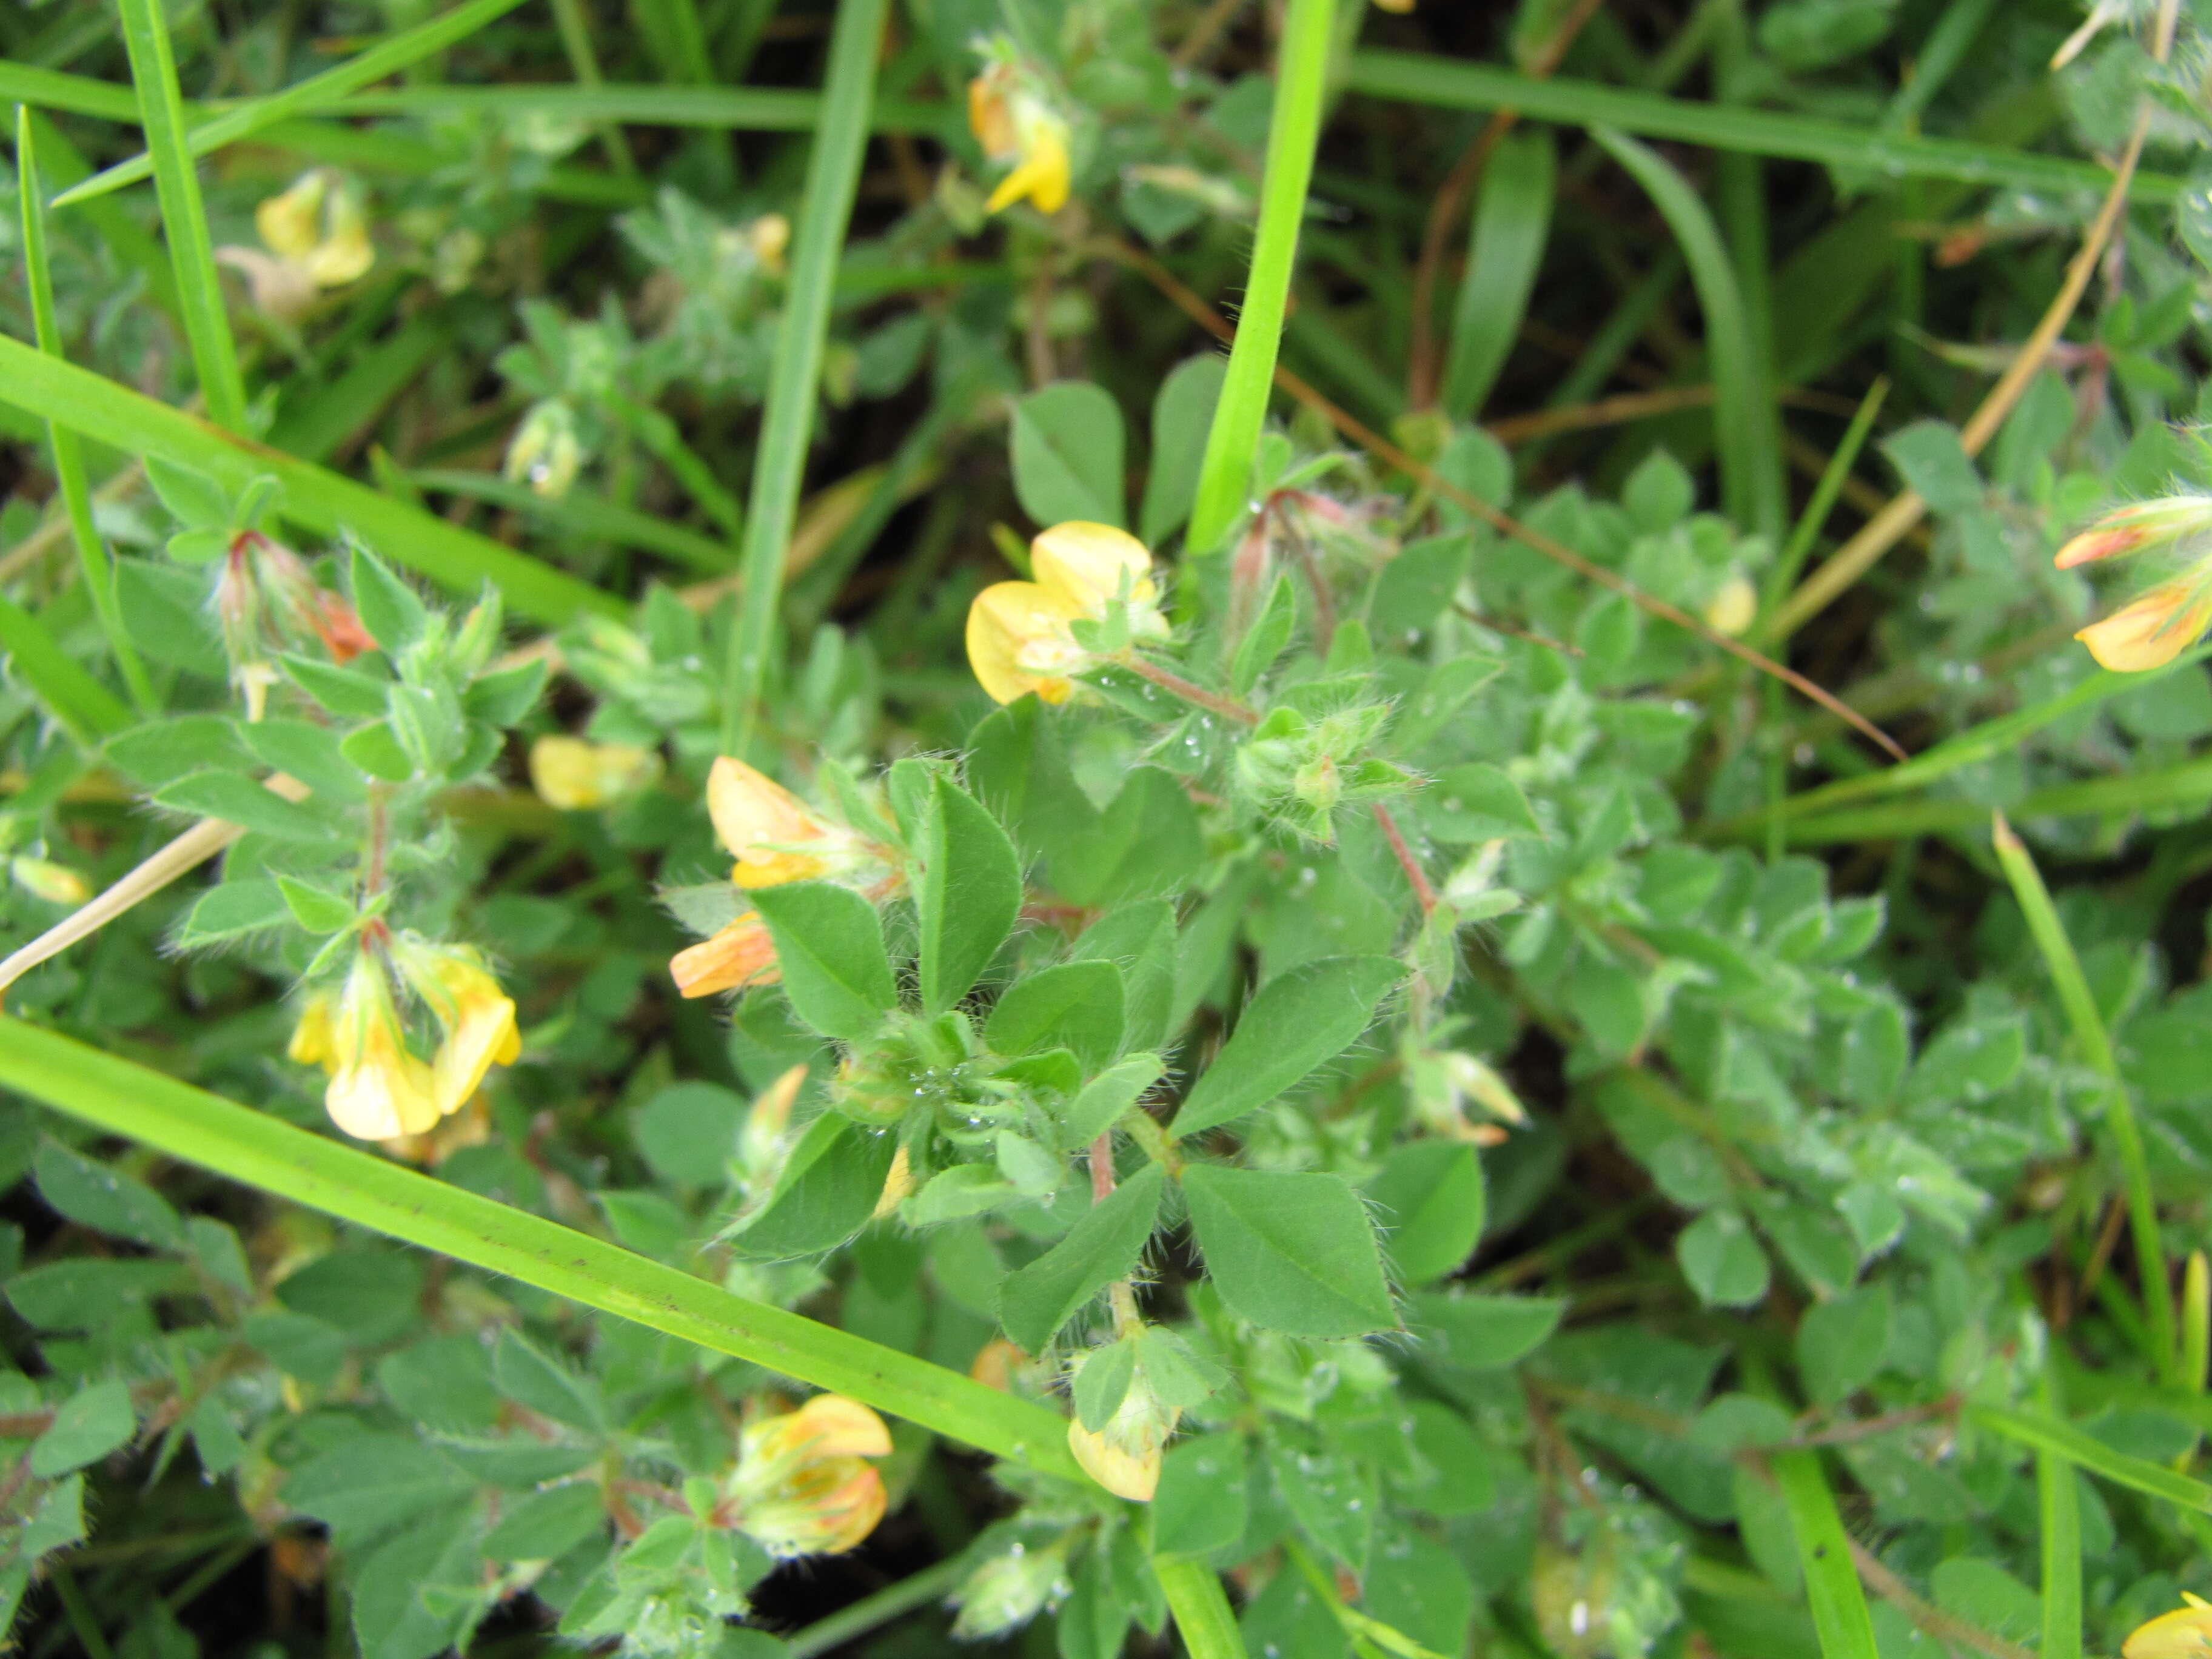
x=1134, y=1474
x=775, y=836
x=2153, y=629
x=378, y=1088
x=477, y=1018
x=317, y=237
x=742, y=954
x=1019, y=640
x=1013, y=125
x=574, y=774
x=1734, y=606
x=802, y=1485
x=2184, y=1633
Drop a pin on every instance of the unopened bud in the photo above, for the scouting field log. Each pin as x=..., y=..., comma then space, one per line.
x=546, y=453
x=57, y=884
x=1009, y=1589
x=571, y=774
x=2139, y=525
x=1319, y=784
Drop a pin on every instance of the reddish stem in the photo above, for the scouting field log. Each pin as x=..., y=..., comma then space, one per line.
x=1407, y=862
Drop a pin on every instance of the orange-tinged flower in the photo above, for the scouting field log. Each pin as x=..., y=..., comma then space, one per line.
x=2184, y=1633
x=2139, y=525
x=742, y=954
x=478, y=1018
x=802, y=1486
x=996, y=1363
x=775, y=836
x=2154, y=628
x=1014, y=125
x=1019, y=637
x=574, y=774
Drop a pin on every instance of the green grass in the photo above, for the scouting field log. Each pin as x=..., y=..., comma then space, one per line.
x=833, y=171
x=1226, y=472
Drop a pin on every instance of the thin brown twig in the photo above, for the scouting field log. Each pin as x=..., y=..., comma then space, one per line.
x=1388, y=452
x=1193, y=46
x=1424, y=369
x=1415, y=876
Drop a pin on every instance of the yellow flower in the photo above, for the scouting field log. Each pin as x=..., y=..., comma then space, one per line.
x=742, y=954
x=802, y=1486
x=2155, y=628
x=1013, y=125
x=478, y=1018
x=1019, y=640
x=545, y=452
x=2184, y=1633
x=768, y=236
x=1734, y=606
x=287, y=222
x=378, y=1088
x=317, y=225
x=572, y=774
x=775, y=836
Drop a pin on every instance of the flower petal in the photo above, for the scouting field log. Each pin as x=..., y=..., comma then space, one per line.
x=1006, y=619
x=1085, y=565
x=2154, y=629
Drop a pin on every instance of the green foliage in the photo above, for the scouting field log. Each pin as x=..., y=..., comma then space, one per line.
x=1326, y=1095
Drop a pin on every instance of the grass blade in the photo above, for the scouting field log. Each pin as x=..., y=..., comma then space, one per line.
x=1226, y=473
x=68, y=461
x=386, y=57
x=1413, y=77
x=242, y=1145
x=80, y=703
x=315, y=500
x=1201, y=1608
x=192, y=254
x=1832, y=1582
x=1743, y=423
x=1512, y=222
x=833, y=177
x=741, y=109
x=2059, y=1501
x=581, y=513
x=1783, y=576
x=2187, y=785
x=2062, y=1439
x=2096, y=1046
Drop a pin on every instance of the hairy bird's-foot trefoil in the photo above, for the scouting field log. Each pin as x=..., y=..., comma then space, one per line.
x=2159, y=624
x=574, y=775
x=1021, y=634
x=317, y=236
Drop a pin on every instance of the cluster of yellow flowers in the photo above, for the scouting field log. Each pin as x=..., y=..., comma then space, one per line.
x=803, y=1485
x=776, y=837
x=380, y=1087
x=1019, y=635
x=574, y=775
x=2159, y=624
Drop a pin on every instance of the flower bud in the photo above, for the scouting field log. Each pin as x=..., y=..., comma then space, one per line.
x=768, y=236
x=2139, y=525
x=1009, y=1589
x=57, y=884
x=545, y=452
